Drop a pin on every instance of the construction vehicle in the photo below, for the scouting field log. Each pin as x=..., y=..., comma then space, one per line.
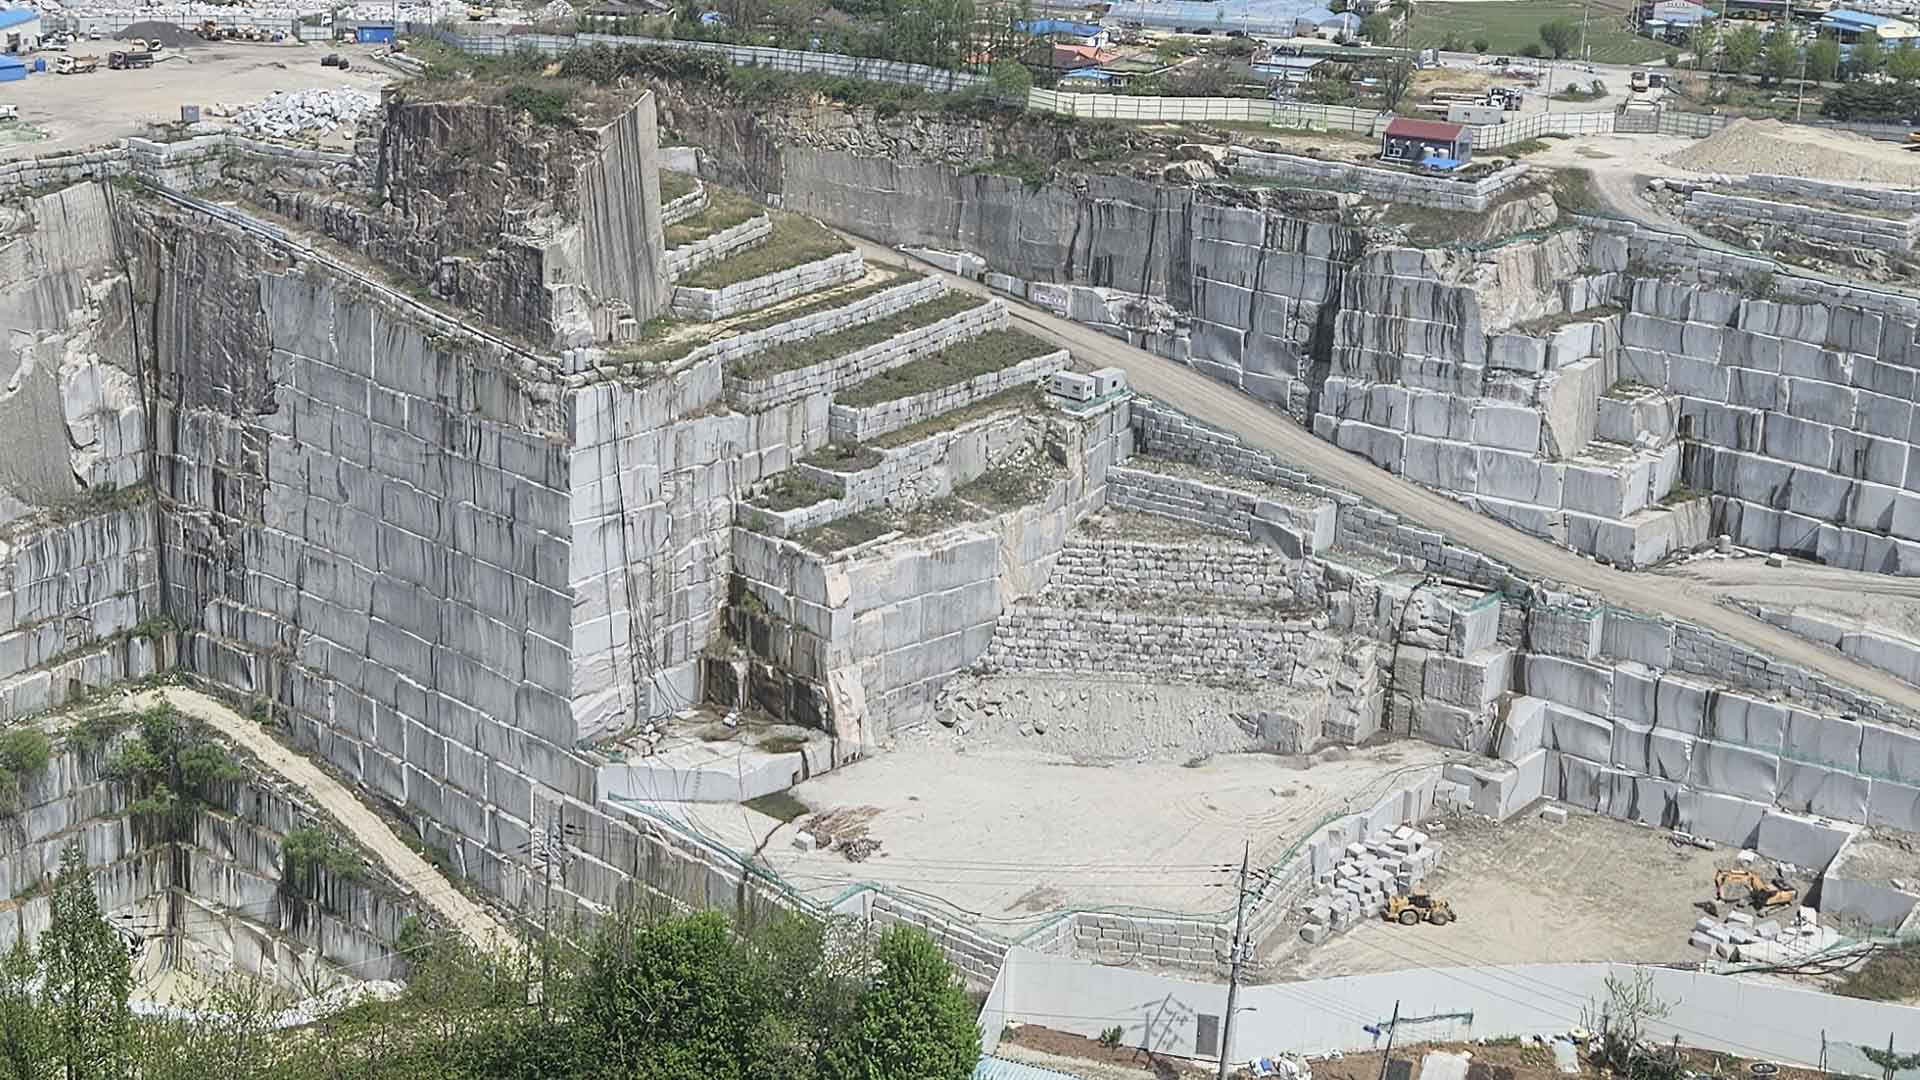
x=122, y=61
x=1411, y=910
x=1734, y=885
x=209, y=30
x=76, y=65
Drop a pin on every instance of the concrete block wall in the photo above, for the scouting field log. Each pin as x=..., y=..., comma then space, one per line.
x=850, y=424
x=1035, y=637
x=709, y=305
x=1865, y=198
x=1838, y=227
x=977, y=957
x=72, y=596
x=687, y=258
x=840, y=372
x=1159, y=942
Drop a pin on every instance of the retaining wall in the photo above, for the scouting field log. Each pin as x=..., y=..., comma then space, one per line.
x=1833, y=226
x=709, y=305
x=1039, y=638
x=1099, y=565
x=849, y=423
x=1296, y=526
x=840, y=372
x=687, y=258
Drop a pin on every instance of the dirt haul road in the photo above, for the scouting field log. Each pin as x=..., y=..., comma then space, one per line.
x=1216, y=403
x=362, y=825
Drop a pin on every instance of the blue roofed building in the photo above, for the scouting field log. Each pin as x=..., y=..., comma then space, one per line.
x=1848, y=27
x=19, y=30
x=1278, y=18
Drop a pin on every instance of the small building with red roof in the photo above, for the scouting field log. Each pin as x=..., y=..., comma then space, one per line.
x=1426, y=142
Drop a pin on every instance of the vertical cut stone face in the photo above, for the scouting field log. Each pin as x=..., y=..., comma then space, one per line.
x=367, y=525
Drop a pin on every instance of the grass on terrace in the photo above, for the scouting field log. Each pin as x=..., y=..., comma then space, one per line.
x=991, y=351
x=675, y=184
x=725, y=209
x=1025, y=398
x=795, y=241
x=802, y=354
x=888, y=280
x=789, y=491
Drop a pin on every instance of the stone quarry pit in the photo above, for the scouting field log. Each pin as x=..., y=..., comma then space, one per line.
x=768, y=507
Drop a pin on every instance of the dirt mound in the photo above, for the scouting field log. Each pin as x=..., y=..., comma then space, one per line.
x=172, y=35
x=1782, y=149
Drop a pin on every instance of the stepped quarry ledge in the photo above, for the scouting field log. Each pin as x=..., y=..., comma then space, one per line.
x=537, y=514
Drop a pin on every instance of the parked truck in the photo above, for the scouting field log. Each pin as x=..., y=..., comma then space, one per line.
x=76, y=65
x=125, y=60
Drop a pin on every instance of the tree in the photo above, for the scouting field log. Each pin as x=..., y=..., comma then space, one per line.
x=1377, y=28
x=1704, y=41
x=1531, y=50
x=1011, y=81
x=1890, y=1060
x=1866, y=57
x=1481, y=44
x=1622, y=1045
x=1779, y=57
x=1823, y=59
x=914, y=1022
x=88, y=976
x=1560, y=36
x=1903, y=63
x=1397, y=81
x=23, y=1025
x=1742, y=48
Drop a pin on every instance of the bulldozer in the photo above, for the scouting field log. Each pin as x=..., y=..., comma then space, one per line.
x=1763, y=895
x=1410, y=910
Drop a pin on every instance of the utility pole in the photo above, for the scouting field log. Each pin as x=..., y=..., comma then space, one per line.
x=1233, y=976
x=1393, y=1026
x=1586, y=18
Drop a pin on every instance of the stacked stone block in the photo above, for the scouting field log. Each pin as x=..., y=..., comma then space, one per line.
x=1823, y=226
x=1158, y=942
x=1448, y=671
x=709, y=305
x=1296, y=525
x=726, y=243
x=840, y=372
x=686, y=206
x=1096, y=565
x=848, y=423
x=746, y=343
x=1383, y=865
x=1038, y=638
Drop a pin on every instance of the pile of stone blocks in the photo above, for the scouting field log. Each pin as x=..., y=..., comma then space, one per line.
x=1384, y=864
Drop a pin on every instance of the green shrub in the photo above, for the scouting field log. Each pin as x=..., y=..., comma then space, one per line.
x=546, y=106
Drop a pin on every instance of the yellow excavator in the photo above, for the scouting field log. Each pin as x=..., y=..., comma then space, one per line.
x=1763, y=895
x=1411, y=910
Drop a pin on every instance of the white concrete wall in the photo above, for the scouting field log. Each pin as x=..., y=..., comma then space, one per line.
x=1317, y=1016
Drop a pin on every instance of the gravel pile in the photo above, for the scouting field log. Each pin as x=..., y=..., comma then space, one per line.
x=299, y=112
x=169, y=34
x=1745, y=147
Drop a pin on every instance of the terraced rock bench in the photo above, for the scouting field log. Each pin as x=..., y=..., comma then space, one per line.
x=710, y=304
x=833, y=362
x=724, y=244
x=953, y=378
x=680, y=207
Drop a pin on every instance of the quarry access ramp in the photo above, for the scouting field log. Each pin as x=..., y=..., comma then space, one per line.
x=1261, y=427
x=363, y=826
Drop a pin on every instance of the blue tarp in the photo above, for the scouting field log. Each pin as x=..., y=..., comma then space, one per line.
x=16, y=16
x=1042, y=27
x=1279, y=17
x=1443, y=164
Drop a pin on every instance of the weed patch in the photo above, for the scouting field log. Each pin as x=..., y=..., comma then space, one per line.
x=804, y=354
x=995, y=350
x=795, y=241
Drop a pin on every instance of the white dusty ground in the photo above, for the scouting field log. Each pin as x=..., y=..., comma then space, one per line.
x=78, y=111
x=1530, y=891
x=982, y=832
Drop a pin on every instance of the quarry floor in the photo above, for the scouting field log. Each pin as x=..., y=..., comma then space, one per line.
x=1004, y=838
x=1531, y=891
x=1261, y=427
x=1875, y=601
x=78, y=111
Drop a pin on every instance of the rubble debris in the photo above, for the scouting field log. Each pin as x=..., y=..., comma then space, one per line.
x=298, y=112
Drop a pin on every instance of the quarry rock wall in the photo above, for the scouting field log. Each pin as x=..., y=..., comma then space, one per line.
x=1436, y=363
x=365, y=529
x=212, y=892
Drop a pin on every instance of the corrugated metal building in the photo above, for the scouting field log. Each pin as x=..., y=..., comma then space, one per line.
x=1272, y=17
